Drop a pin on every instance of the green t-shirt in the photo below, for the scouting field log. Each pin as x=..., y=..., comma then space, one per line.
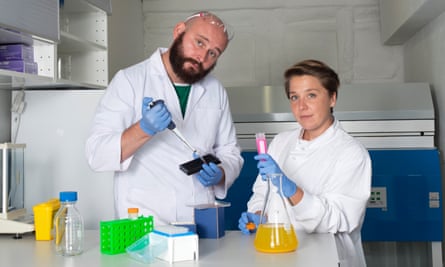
x=183, y=92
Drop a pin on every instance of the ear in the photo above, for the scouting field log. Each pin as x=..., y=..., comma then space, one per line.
x=179, y=28
x=333, y=100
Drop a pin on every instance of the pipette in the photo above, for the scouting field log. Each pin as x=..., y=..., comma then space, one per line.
x=172, y=127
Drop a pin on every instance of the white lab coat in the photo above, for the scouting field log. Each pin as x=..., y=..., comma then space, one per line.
x=334, y=171
x=151, y=179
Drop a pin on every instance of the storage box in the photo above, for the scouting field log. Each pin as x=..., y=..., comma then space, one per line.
x=209, y=220
x=20, y=66
x=10, y=52
x=43, y=218
x=181, y=246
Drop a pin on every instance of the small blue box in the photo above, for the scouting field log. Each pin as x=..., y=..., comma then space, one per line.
x=210, y=221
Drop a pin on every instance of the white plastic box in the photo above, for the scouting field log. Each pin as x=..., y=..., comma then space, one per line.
x=180, y=246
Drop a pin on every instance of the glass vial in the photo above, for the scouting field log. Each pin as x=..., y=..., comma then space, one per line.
x=261, y=143
x=68, y=224
x=133, y=213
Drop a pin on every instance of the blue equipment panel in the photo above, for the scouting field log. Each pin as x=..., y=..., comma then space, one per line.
x=240, y=192
x=413, y=184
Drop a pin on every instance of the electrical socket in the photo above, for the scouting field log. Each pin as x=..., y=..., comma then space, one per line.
x=378, y=198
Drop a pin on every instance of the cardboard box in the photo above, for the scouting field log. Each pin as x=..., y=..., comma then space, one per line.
x=11, y=52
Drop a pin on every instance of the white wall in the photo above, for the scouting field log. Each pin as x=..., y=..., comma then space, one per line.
x=270, y=36
x=5, y=115
x=425, y=61
x=125, y=35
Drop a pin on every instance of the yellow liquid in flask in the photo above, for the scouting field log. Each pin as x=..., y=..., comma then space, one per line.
x=273, y=238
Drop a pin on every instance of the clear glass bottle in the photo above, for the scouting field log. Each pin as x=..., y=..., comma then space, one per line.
x=275, y=233
x=68, y=224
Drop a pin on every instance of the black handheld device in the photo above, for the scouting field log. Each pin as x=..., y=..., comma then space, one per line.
x=194, y=166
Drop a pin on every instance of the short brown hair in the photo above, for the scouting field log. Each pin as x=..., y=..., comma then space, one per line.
x=327, y=76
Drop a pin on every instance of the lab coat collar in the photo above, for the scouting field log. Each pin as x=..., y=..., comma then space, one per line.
x=320, y=140
x=197, y=90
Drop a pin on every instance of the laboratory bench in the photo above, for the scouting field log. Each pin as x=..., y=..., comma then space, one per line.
x=233, y=249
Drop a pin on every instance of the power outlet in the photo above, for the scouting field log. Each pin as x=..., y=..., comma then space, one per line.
x=378, y=198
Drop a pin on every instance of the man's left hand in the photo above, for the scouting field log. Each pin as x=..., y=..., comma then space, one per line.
x=210, y=174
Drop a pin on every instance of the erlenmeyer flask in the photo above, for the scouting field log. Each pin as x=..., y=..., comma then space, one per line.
x=275, y=233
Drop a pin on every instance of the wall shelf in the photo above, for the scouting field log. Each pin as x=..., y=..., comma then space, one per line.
x=79, y=58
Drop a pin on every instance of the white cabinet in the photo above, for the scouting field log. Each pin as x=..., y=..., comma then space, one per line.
x=77, y=58
x=82, y=54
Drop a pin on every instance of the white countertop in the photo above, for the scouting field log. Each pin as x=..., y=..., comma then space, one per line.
x=234, y=249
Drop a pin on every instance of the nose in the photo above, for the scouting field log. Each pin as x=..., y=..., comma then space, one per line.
x=302, y=104
x=202, y=55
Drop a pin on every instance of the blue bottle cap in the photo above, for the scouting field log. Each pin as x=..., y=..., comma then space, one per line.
x=68, y=196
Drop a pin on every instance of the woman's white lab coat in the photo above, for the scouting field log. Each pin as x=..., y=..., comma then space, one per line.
x=334, y=171
x=151, y=179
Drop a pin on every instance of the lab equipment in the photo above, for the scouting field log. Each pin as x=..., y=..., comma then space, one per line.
x=194, y=166
x=169, y=243
x=261, y=143
x=147, y=248
x=275, y=232
x=250, y=226
x=44, y=218
x=209, y=219
x=133, y=213
x=117, y=235
x=13, y=217
x=69, y=226
x=172, y=127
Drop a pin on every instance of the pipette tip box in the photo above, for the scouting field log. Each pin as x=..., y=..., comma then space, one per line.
x=182, y=245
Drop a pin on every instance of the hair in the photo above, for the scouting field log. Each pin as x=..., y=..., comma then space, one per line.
x=327, y=76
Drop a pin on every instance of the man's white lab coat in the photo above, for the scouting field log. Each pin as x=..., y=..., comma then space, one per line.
x=151, y=179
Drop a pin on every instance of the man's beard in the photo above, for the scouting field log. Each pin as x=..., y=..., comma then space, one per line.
x=177, y=60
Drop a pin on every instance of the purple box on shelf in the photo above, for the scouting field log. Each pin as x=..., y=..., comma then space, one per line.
x=19, y=66
x=10, y=52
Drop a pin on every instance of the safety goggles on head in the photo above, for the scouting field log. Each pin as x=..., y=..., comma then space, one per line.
x=214, y=20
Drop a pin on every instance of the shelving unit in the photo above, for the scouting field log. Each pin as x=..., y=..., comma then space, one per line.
x=78, y=59
x=83, y=49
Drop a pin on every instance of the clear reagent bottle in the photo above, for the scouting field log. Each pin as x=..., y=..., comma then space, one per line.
x=68, y=224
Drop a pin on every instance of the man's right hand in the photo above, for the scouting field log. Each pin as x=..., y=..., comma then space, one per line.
x=154, y=119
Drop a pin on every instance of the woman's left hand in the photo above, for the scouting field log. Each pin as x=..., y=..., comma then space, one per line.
x=267, y=166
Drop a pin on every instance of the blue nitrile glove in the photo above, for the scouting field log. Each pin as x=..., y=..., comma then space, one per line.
x=245, y=218
x=210, y=174
x=154, y=119
x=267, y=165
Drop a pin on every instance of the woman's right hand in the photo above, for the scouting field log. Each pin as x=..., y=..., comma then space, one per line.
x=247, y=221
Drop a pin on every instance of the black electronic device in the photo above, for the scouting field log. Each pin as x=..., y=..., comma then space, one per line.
x=194, y=166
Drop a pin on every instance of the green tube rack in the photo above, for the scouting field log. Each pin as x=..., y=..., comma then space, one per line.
x=117, y=235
